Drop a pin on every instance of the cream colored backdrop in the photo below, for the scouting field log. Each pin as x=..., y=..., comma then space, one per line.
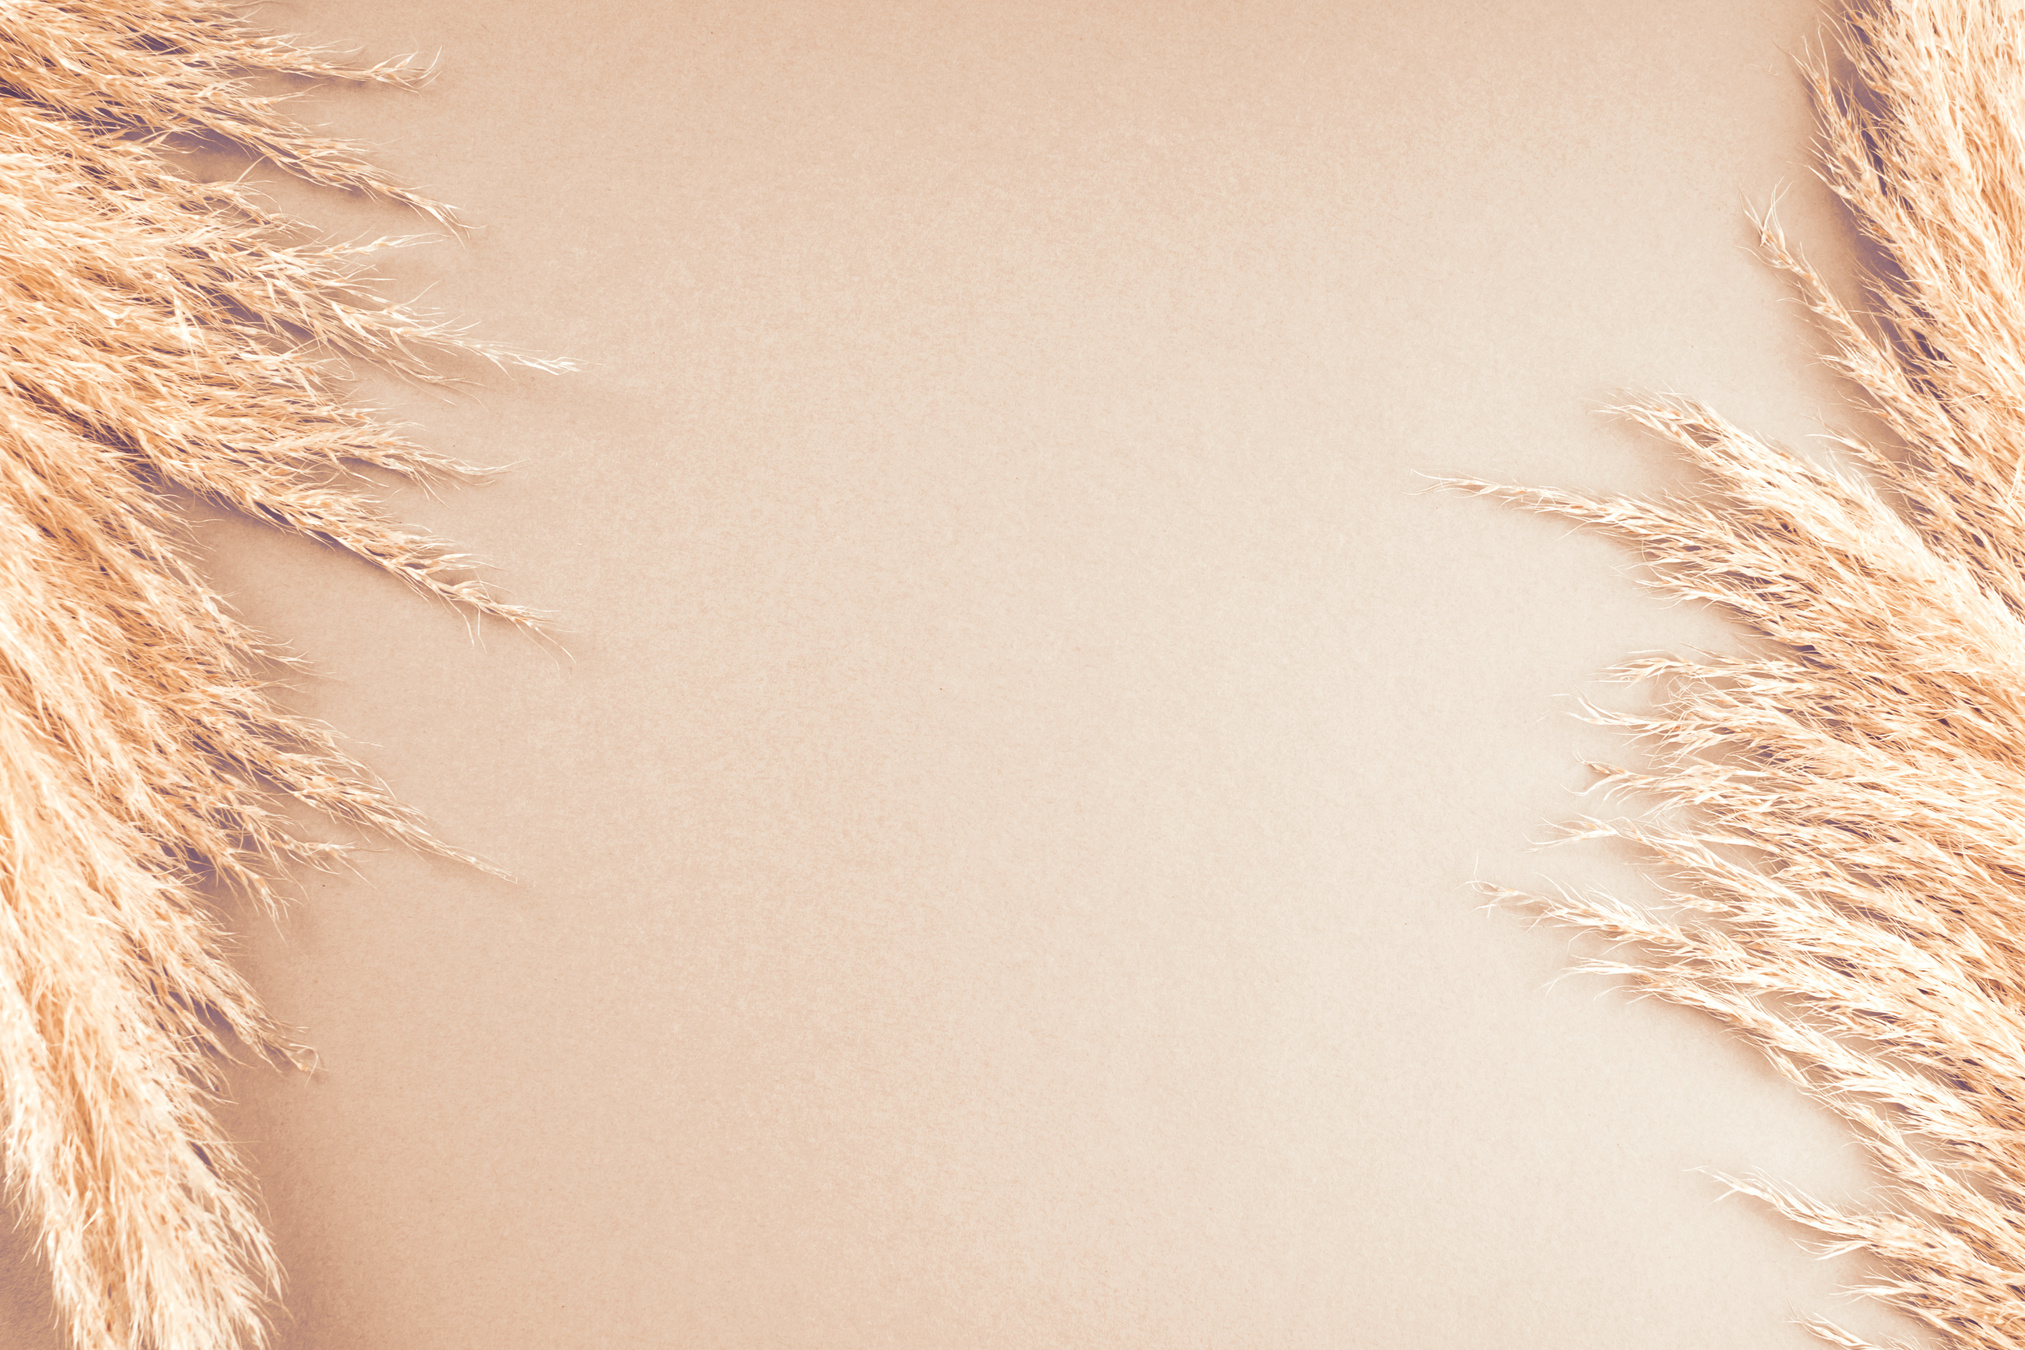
x=993, y=866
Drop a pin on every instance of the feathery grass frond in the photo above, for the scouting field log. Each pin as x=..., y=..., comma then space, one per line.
x=162, y=335
x=1868, y=758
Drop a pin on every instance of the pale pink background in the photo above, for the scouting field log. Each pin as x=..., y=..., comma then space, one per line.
x=993, y=870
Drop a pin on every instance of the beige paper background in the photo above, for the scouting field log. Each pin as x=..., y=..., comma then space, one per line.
x=993, y=867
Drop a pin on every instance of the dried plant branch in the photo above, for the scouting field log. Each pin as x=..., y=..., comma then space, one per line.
x=161, y=334
x=1869, y=760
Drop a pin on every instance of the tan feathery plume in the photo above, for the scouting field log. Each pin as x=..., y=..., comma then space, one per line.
x=1839, y=813
x=162, y=336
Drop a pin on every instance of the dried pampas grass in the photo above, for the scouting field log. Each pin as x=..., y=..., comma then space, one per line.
x=1840, y=813
x=163, y=337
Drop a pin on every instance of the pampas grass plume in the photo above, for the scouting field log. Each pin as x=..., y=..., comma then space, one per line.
x=162, y=337
x=1839, y=811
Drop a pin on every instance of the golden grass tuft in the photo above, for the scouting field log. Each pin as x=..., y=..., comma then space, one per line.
x=1840, y=812
x=162, y=336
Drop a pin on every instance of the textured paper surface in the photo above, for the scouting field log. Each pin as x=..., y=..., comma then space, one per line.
x=992, y=867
